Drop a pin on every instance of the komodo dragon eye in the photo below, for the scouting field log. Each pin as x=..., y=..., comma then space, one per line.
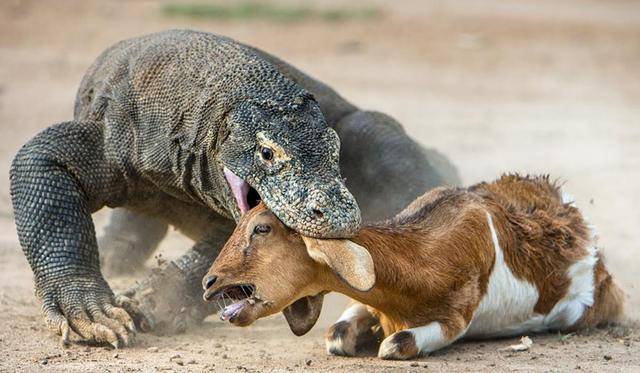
x=267, y=154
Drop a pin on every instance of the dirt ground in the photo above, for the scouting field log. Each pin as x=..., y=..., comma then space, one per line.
x=544, y=86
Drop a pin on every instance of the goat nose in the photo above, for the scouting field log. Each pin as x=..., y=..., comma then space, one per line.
x=208, y=282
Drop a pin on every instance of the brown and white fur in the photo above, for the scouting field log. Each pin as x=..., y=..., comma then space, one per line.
x=496, y=259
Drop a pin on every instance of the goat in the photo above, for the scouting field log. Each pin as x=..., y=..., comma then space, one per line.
x=492, y=260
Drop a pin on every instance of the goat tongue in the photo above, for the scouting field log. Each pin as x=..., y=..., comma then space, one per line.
x=231, y=312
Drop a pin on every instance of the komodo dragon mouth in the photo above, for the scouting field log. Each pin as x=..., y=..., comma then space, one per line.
x=245, y=195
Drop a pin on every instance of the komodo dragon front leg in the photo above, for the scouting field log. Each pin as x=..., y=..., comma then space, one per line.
x=58, y=179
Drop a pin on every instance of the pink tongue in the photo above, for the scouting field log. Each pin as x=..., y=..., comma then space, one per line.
x=232, y=311
x=239, y=188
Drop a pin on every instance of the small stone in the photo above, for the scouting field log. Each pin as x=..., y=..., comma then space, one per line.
x=607, y=357
x=175, y=356
x=217, y=345
x=153, y=349
x=178, y=361
x=414, y=364
x=44, y=361
x=192, y=361
x=308, y=362
x=224, y=356
x=115, y=356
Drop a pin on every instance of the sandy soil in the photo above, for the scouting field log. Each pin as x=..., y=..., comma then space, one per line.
x=540, y=86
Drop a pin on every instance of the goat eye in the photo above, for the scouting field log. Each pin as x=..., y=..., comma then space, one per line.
x=261, y=229
x=267, y=154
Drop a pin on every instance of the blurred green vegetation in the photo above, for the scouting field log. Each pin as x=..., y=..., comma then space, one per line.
x=253, y=10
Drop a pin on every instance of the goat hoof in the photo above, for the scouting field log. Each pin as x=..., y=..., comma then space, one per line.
x=341, y=339
x=399, y=346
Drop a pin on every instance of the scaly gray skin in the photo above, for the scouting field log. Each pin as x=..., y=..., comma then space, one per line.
x=157, y=119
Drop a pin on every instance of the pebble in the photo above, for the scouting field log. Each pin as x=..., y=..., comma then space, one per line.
x=308, y=362
x=175, y=356
x=115, y=356
x=607, y=357
x=192, y=361
x=44, y=362
x=178, y=361
x=224, y=356
x=414, y=364
x=153, y=349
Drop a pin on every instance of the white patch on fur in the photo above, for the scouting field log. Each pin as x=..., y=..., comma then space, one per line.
x=580, y=294
x=428, y=338
x=508, y=306
x=353, y=312
x=431, y=338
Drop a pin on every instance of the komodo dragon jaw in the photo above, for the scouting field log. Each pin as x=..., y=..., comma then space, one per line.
x=277, y=158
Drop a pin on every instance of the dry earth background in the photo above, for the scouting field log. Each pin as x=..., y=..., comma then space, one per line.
x=531, y=86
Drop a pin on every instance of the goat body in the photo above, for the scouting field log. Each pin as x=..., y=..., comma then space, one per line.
x=496, y=259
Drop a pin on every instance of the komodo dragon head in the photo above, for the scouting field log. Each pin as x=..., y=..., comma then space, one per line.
x=287, y=156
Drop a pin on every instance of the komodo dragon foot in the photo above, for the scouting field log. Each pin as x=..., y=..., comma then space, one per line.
x=92, y=312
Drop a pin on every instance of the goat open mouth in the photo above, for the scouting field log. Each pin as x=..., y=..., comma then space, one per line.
x=232, y=299
x=246, y=197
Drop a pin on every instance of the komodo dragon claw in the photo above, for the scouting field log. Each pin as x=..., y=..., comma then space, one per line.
x=95, y=318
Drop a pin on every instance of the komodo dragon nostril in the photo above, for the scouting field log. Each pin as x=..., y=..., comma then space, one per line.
x=318, y=214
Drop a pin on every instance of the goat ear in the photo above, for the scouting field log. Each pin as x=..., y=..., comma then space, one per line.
x=303, y=314
x=347, y=259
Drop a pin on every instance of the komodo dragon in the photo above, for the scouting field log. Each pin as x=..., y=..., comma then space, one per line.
x=192, y=129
